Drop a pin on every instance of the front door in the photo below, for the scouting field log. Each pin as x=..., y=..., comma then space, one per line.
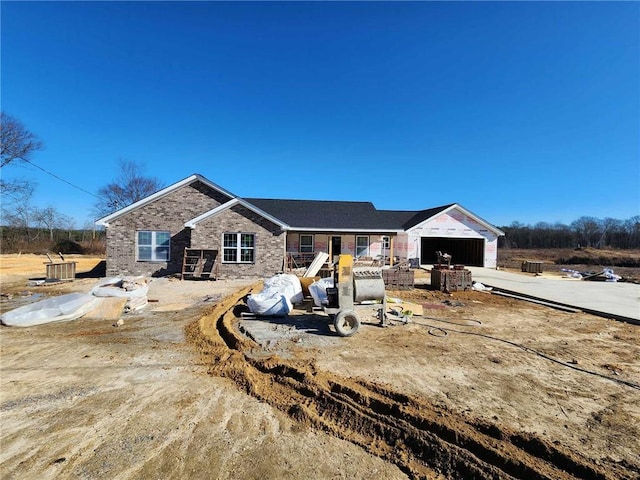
x=336, y=247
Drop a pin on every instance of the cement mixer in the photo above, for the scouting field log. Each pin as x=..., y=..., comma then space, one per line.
x=352, y=284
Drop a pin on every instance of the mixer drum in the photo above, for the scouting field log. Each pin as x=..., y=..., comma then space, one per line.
x=368, y=284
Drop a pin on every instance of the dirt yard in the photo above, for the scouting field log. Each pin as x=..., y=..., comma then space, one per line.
x=480, y=386
x=625, y=263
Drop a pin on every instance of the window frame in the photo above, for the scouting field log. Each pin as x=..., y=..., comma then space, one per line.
x=239, y=248
x=301, y=247
x=154, y=246
x=358, y=247
x=386, y=242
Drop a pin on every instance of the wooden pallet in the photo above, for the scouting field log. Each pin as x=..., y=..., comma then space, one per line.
x=200, y=263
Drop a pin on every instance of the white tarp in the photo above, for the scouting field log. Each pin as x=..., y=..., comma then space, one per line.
x=269, y=303
x=75, y=305
x=318, y=290
x=135, y=289
x=55, y=309
x=287, y=284
x=278, y=296
x=121, y=287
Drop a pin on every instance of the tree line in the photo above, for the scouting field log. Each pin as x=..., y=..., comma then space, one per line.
x=42, y=240
x=581, y=233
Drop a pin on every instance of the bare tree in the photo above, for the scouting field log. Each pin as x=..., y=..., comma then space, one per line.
x=588, y=229
x=51, y=219
x=130, y=186
x=17, y=210
x=16, y=191
x=632, y=229
x=16, y=142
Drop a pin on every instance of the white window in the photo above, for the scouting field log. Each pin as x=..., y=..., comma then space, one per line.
x=362, y=246
x=386, y=243
x=306, y=243
x=153, y=246
x=238, y=248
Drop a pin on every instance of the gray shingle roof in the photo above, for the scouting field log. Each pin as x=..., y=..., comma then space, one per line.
x=338, y=215
x=422, y=215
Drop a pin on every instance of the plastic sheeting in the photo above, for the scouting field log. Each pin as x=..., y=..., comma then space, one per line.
x=278, y=296
x=610, y=276
x=55, y=309
x=135, y=289
x=479, y=287
x=269, y=303
x=318, y=291
x=287, y=284
x=120, y=287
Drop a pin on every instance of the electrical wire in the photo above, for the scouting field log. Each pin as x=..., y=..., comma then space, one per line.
x=518, y=345
x=62, y=179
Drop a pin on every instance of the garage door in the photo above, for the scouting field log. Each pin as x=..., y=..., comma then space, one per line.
x=463, y=251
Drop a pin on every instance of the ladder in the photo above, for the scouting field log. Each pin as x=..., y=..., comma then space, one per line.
x=199, y=263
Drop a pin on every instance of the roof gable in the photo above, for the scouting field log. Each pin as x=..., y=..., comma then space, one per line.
x=405, y=219
x=423, y=215
x=162, y=193
x=426, y=215
x=231, y=203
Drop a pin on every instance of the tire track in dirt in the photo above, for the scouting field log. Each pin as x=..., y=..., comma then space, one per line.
x=424, y=440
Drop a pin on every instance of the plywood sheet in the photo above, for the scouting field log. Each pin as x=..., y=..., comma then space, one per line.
x=108, y=308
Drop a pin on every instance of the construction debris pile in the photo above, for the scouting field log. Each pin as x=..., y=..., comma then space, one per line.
x=606, y=275
x=132, y=291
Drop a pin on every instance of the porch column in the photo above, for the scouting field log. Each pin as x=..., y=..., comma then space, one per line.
x=284, y=252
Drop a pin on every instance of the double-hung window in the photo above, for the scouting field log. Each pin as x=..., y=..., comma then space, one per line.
x=306, y=243
x=239, y=248
x=153, y=246
x=362, y=246
x=386, y=243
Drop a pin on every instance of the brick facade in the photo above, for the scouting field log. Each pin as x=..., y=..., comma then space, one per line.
x=167, y=213
x=170, y=209
x=269, y=242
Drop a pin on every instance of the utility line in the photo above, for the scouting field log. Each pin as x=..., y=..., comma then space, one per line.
x=62, y=179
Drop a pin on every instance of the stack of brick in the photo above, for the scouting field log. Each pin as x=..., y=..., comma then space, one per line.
x=398, y=279
x=451, y=279
x=531, y=266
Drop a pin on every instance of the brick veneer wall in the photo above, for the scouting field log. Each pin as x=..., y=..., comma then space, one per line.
x=269, y=242
x=167, y=213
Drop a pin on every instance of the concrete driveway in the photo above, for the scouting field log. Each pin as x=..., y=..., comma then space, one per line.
x=610, y=299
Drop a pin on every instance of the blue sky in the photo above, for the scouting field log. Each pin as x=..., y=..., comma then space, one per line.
x=518, y=111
